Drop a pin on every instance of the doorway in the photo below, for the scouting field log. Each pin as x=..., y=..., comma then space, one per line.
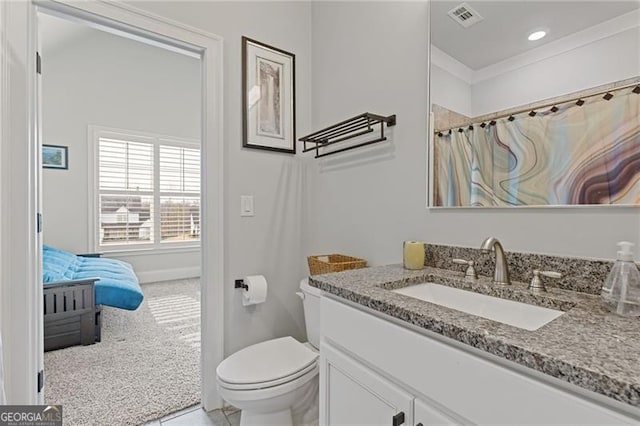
x=130, y=22
x=121, y=122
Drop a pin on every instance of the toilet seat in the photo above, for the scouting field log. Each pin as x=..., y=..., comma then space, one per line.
x=254, y=395
x=266, y=365
x=271, y=383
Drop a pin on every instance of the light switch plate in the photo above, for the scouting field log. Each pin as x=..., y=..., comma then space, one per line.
x=246, y=205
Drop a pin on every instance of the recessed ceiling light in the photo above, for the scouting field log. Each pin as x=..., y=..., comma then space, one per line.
x=537, y=35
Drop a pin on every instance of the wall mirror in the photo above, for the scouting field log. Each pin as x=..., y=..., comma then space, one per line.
x=534, y=103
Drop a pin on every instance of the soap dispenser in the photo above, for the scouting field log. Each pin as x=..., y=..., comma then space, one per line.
x=621, y=290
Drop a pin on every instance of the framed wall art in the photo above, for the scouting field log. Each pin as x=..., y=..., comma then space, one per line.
x=55, y=157
x=268, y=97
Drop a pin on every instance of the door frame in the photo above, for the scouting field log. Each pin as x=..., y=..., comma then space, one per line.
x=21, y=305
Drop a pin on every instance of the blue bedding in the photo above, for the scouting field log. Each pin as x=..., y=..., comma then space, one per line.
x=118, y=285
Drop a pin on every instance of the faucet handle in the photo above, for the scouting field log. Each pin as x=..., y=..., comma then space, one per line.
x=470, y=274
x=536, y=284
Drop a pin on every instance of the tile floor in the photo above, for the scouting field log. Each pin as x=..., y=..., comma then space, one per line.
x=196, y=416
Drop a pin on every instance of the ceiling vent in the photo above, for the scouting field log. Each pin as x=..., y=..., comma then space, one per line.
x=465, y=15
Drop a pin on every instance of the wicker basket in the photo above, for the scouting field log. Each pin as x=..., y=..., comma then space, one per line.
x=324, y=264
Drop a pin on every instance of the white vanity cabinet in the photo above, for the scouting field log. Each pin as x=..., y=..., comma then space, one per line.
x=355, y=395
x=373, y=369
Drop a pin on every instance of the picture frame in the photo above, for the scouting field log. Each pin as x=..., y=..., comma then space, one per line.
x=55, y=157
x=268, y=97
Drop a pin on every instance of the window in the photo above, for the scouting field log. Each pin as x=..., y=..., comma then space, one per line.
x=148, y=191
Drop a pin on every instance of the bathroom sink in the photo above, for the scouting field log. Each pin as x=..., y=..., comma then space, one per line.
x=517, y=314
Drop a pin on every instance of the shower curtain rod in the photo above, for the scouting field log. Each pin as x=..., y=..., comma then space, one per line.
x=532, y=111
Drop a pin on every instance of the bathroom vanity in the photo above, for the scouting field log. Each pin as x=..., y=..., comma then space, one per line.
x=390, y=358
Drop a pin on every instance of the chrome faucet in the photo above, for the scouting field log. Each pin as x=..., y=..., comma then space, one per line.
x=501, y=274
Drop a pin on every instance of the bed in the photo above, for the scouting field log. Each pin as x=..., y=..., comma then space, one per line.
x=75, y=289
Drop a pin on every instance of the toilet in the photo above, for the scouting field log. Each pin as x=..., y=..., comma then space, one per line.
x=276, y=382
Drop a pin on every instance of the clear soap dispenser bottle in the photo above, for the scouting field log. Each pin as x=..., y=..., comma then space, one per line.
x=621, y=290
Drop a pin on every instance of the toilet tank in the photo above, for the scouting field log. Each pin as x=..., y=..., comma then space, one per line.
x=311, y=303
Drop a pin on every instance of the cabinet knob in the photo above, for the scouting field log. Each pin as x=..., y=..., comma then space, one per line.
x=419, y=424
x=398, y=419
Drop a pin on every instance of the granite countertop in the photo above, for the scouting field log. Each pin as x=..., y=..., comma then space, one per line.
x=587, y=346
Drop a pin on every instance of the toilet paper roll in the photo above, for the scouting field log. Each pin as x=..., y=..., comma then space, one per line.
x=413, y=255
x=256, y=291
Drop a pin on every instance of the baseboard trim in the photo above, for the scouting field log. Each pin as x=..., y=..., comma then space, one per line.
x=168, y=274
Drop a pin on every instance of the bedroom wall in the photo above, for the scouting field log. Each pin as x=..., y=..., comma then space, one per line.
x=270, y=243
x=95, y=78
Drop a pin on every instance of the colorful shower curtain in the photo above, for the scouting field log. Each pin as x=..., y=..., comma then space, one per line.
x=569, y=155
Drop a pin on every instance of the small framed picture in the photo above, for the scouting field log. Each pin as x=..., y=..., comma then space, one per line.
x=55, y=157
x=268, y=97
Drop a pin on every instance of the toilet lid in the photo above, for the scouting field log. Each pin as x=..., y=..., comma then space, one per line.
x=266, y=362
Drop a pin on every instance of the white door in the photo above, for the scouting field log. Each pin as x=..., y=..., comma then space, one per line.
x=355, y=395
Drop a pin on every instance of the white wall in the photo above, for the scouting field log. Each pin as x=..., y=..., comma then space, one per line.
x=607, y=60
x=107, y=80
x=269, y=243
x=366, y=202
x=369, y=206
x=450, y=91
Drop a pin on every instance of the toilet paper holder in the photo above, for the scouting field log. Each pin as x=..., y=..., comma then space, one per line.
x=241, y=284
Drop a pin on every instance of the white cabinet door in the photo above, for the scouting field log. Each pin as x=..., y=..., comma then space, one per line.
x=426, y=415
x=355, y=395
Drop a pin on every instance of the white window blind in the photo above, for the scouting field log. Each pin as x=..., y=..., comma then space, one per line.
x=148, y=192
x=125, y=166
x=179, y=169
x=179, y=182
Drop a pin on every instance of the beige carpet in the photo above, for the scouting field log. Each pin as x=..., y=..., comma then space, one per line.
x=147, y=365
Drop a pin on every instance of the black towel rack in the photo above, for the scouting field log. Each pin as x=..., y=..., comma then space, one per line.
x=345, y=130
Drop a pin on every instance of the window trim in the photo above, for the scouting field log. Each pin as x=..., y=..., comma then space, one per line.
x=94, y=134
